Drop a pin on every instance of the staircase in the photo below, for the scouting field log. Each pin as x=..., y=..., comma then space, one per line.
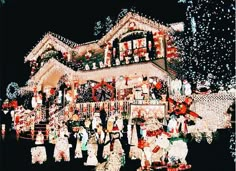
x=41, y=126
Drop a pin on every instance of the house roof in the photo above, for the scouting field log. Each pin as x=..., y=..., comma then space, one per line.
x=63, y=44
x=48, y=39
x=59, y=43
x=143, y=24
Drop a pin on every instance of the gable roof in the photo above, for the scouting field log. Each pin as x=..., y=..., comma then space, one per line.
x=59, y=43
x=143, y=24
x=65, y=45
x=43, y=44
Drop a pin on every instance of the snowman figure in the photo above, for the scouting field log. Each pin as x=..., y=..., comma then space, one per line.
x=186, y=88
x=87, y=67
x=94, y=65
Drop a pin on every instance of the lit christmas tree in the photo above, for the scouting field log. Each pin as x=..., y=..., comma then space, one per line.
x=108, y=23
x=207, y=44
x=123, y=12
x=103, y=27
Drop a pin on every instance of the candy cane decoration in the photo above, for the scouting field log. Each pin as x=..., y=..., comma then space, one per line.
x=106, y=107
x=3, y=129
x=121, y=105
x=112, y=106
x=85, y=109
x=92, y=107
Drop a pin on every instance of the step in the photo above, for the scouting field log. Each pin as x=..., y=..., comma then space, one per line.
x=41, y=127
x=28, y=136
x=33, y=139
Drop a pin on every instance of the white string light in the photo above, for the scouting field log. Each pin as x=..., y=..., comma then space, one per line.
x=12, y=90
x=53, y=66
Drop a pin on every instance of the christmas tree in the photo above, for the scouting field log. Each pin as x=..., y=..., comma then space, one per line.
x=207, y=44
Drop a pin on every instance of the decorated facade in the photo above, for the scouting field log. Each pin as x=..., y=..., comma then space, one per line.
x=105, y=89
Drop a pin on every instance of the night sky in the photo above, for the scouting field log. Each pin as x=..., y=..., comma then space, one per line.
x=24, y=22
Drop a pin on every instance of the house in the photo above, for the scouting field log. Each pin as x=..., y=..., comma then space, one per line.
x=128, y=65
x=134, y=48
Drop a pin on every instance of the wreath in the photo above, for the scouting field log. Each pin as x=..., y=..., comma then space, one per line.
x=132, y=26
x=12, y=90
x=102, y=92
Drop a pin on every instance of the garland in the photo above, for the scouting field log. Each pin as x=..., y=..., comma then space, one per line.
x=12, y=90
x=49, y=54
